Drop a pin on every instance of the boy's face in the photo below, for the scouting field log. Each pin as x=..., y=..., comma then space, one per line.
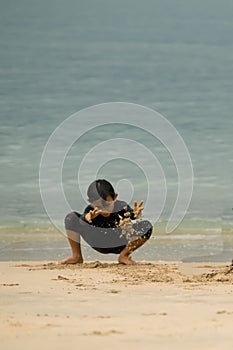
x=106, y=206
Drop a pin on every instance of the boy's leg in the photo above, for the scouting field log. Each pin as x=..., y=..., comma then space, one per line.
x=74, y=240
x=124, y=257
x=144, y=230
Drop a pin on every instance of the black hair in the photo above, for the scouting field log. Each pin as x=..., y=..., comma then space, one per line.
x=100, y=189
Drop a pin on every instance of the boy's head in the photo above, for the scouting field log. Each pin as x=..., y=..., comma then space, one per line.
x=101, y=194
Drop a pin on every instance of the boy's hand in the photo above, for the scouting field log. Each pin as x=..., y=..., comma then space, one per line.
x=92, y=214
x=137, y=209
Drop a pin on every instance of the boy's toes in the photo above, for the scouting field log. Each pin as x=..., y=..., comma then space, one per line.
x=126, y=261
x=70, y=260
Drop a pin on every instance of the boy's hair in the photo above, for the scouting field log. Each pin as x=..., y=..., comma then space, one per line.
x=100, y=189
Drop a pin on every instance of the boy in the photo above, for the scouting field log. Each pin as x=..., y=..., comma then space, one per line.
x=106, y=225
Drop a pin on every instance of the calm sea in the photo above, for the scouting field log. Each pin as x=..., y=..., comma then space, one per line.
x=58, y=57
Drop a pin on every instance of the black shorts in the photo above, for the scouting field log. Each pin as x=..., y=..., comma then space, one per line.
x=105, y=240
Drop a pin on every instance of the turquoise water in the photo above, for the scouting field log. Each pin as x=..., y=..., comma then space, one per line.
x=58, y=57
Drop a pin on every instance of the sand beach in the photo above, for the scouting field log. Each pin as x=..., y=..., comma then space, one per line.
x=151, y=305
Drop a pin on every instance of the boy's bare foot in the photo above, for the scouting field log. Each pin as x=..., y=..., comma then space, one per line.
x=126, y=260
x=71, y=260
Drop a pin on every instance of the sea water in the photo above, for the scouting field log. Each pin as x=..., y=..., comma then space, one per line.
x=175, y=57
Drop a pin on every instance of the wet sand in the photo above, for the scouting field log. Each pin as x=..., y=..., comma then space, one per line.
x=107, y=305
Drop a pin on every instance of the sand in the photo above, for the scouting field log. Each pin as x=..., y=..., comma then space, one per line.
x=153, y=305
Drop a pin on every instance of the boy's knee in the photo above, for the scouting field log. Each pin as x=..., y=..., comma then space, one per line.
x=148, y=228
x=69, y=217
x=71, y=221
x=148, y=233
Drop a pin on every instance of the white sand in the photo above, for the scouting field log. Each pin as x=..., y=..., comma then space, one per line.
x=111, y=306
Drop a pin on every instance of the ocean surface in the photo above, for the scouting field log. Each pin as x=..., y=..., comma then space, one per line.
x=59, y=57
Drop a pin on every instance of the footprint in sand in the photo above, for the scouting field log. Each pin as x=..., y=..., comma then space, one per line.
x=222, y=312
x=111, y=331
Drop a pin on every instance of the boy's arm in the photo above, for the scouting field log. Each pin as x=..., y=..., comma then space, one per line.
x=135, y=213
x=85, y=216
x=130, y=210
x=138, y=208
x=90, y=213
x=127, y=211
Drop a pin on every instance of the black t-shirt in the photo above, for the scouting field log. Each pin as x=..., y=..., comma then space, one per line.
x=120, y=208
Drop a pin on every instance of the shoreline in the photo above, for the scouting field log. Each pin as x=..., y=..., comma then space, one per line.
x=98, y=304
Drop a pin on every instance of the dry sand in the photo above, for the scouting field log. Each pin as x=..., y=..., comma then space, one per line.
x=111, y=306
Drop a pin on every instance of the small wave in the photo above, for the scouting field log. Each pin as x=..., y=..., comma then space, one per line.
x=191, y=237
